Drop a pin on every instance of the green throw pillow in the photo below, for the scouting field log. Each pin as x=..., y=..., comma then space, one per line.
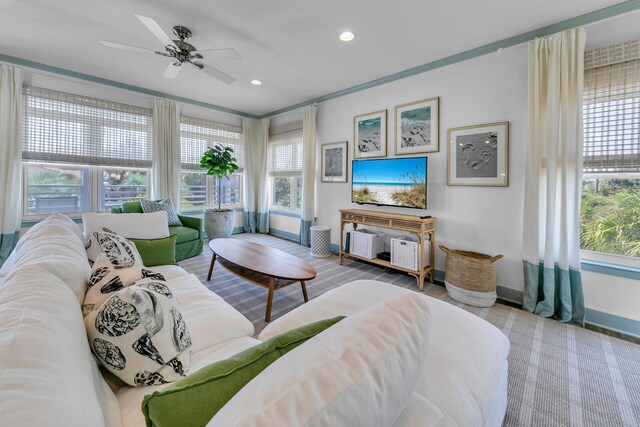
x=157, y=251
x=194, y=400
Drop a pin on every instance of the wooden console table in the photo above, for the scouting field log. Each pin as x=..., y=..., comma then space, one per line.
x=423, y=228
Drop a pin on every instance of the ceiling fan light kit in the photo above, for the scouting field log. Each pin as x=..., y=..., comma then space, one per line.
x=180, y=51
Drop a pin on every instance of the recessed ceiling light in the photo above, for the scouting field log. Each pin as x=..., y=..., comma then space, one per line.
x=256, y=82
x=347, y=36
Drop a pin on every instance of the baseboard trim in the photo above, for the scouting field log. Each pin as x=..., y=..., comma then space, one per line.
x=512, y=295
x=613, y=322
x=285, y=235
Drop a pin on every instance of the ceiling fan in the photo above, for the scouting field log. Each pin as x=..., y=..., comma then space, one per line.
x=180, y=51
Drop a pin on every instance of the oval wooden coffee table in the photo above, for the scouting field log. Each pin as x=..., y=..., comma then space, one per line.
x=261, y=265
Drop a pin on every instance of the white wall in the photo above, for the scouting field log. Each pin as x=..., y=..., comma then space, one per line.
x=285, y=224
x=487, y=89
x=610, y=294
x=489, y=220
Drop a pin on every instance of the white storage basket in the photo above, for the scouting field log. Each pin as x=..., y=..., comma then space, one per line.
x=405, y=252
x=366, y=243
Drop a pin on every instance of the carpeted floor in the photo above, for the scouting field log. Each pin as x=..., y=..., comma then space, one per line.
x=559, y=375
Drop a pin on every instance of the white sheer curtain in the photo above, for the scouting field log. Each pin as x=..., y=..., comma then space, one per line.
x=166, y=151
x=553, y=181
x=307, y=212
x=255, y=194
x=10, y=157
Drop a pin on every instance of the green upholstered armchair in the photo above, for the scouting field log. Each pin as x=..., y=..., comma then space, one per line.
x=189, y=235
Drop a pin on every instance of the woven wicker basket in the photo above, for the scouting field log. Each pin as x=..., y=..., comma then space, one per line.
x=470, y=277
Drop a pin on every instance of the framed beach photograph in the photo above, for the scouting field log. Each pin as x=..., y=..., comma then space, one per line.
x=334, y=162
x=370, y=135
x=479, y=155
x=417, y=127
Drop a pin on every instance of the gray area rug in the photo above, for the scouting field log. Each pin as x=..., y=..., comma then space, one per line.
x=559, y=375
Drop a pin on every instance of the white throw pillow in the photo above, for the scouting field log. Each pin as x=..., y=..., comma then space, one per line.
x=122, y=251
x=139, y=334
x=117, y=266
x=105, y=280
x=359, y=372
x=133, y=226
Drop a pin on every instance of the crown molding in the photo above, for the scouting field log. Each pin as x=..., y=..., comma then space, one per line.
x=113, y=83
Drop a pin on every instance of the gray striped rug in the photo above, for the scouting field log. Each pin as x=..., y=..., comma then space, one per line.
x=559, y=375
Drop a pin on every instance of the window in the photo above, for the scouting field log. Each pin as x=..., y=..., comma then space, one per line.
x=284, y=164
x=57, y=188
x=198, y=190
x=610, y=211
x=82, y=154
x=286, y=192
x=118, y=185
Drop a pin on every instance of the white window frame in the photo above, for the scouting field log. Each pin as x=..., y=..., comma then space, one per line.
x=95, y=182
x=293, y=193
x=210, y=187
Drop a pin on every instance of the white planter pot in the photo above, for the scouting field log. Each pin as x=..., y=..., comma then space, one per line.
x=219, y=223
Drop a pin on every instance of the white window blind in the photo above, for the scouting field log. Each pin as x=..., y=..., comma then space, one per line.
x=284, y=157
x=62, y=127
x=198, y=135
x=611, y=109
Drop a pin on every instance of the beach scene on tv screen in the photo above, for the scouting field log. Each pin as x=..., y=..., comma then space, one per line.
x=395, y=182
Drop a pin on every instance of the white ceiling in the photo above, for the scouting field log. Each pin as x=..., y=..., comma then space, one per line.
x=291, y=45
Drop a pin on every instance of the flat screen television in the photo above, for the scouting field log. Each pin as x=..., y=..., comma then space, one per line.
x=390, y=182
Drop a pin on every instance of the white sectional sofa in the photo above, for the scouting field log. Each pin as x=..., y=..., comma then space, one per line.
x=49, y=377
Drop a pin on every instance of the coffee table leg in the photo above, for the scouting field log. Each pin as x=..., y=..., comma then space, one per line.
x=213, y=260
x=304, y=291
x=272, y=285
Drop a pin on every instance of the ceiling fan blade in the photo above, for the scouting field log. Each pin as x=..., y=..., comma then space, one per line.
x=226, y=53
x=172, y=71
x=216, y=74
x=126, y=46
x=155, y=28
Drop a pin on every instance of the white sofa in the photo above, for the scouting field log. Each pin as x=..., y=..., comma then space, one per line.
x=49, y=377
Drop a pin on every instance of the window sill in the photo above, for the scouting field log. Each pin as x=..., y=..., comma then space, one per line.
x=191, y=211
x=283, y=212
x=611, y=269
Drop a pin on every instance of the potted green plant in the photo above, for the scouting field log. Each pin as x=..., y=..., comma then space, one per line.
x=219, y=162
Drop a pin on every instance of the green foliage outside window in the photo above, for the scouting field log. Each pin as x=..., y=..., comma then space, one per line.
x=298, y=192
x=46, y=176
x=610, y=216
x=282, y=191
